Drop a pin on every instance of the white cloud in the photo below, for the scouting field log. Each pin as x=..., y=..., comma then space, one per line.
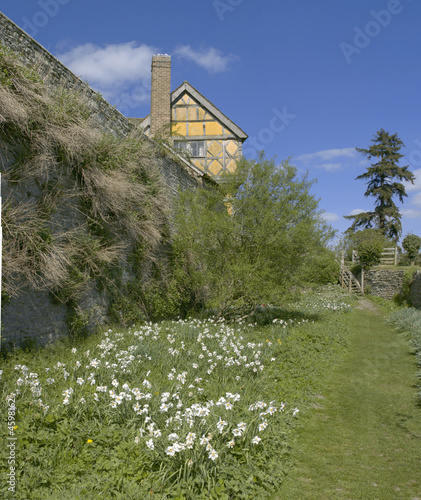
x=322, y=159
x=211, y=59
x=410, y=213
x=330, y=216
x=416, y=199
x=357, y=211
x=409, y=187
x=328, y=154
x=110, y=66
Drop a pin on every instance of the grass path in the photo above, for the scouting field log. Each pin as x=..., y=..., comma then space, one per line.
x=363, y=438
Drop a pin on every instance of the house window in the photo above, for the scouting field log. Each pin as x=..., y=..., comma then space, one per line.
x=194, y=148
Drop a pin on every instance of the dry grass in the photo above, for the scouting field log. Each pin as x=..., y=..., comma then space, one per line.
x=114, y=183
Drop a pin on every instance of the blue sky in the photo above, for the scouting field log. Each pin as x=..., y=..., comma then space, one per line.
x=304, y=79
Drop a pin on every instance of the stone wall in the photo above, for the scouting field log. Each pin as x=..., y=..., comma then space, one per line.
x=388, y=283
x=384, y=283
x=33, y=317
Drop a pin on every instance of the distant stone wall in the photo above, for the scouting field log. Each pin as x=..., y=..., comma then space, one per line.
x=384, y=283
x=387, y=283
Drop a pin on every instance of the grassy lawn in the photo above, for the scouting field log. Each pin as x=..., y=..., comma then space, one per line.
x=362, y=440
x=319, y=403
x=194, y=409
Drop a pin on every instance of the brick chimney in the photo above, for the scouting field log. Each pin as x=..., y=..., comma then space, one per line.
x=160, y=92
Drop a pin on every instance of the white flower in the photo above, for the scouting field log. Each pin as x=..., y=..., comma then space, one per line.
x=150, y=444
x=221, y=424
x=263, y=425
x=115, y=383
x=80, y=381
x=213, y=455
x=170, y=451
x=256, y=440
x=231, y=443
x=204, y=440
x=295, y=411
x=237, y=432
x=136, y=439
x=272, y=409
x=147, y=383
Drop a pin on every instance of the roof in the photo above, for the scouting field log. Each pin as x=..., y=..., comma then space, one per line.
x=187, y=87
x=136, y=121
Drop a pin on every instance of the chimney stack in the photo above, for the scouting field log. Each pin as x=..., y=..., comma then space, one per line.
x=160, y=92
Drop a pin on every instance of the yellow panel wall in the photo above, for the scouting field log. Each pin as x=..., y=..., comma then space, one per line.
x=192, y=121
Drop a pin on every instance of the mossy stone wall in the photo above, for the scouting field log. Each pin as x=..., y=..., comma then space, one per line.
x=384, y=283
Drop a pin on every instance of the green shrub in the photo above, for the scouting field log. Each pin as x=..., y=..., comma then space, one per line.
x=253, y=239
x=412, y=244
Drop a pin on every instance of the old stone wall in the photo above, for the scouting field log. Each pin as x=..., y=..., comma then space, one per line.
x=384, y=283
x=388, y=283
x=33, y=317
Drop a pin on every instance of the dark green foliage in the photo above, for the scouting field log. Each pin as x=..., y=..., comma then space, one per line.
x=369, y=245
x=412, y=244
x=382, y=183
x=322, y=268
